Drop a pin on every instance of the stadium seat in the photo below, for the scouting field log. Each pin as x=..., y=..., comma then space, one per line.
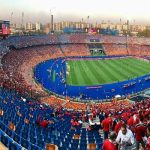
x=24, y=143
x=16, y=138
x=4, y=140
x=14, y=146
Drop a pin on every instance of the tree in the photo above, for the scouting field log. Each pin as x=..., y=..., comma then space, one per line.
x=145, y=33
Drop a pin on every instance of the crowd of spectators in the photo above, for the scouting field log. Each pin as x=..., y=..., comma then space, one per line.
x=28, y=41
x=125, y=123
x=3, y=51
x=130, y=125
x=139, y=50
x=121, y=117
x=126, y=49
x=127, y=126
x=75, y=50
x=19, y=66
x=115, y=49
x=16, y=66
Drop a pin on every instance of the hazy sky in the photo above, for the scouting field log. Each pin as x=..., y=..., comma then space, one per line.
x=98, y=10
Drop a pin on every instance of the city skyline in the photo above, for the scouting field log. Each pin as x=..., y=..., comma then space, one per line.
x=69, y=10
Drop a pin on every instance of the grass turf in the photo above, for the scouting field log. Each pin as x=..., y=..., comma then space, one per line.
x=95, y=72
x=54, y=75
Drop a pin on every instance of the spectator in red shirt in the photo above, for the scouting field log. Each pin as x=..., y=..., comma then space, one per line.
x=148, y=139
x=135, y=119
x=44, y=123
x=130, y=123
x=106, y=127
x=125, y=116
x=140, y=130
x=147, y=117
x=118, y=125
x=109, y=144
x=110, y=121
x=75, y=122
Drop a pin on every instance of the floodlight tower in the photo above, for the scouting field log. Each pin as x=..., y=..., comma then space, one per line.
x=52, y=22
x=11, y=18
x=22, y=21
x=88, y=24
x=127, y=36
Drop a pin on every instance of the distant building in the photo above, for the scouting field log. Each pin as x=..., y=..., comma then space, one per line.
x=59, y=26
x=119, y=27
x=112, y=26
x=104, y=25
x=47, y=28
x=38, y=26
x=124, y=27
x=29, y=26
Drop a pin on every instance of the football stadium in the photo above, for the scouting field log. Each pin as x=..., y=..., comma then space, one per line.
x=85, y=86
x=56, y=95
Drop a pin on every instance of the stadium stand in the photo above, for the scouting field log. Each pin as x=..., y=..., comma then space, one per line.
x=115, y=49
x=75, y=50
x=22, y=119
x=31, y=119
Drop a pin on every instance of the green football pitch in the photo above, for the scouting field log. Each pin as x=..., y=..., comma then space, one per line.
x=96, y=72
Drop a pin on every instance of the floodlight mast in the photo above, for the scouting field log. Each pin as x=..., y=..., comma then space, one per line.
x=52, y=21
x=127, y=37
